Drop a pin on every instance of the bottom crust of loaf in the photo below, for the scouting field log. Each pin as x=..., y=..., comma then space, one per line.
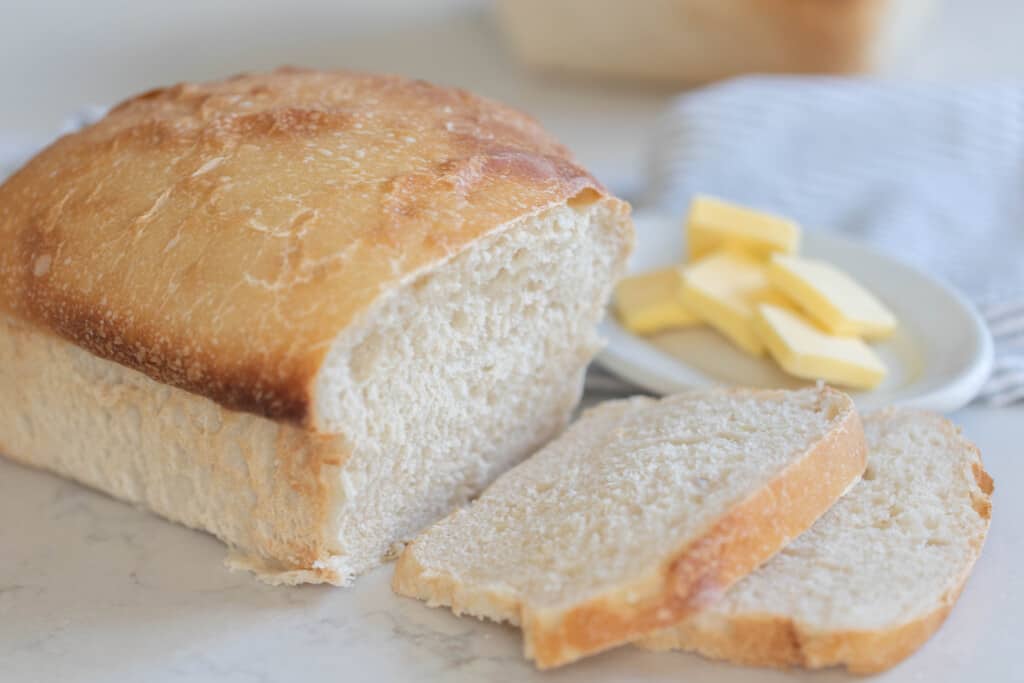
x=781, y=643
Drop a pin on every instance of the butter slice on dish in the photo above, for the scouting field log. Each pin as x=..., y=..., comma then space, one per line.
x=803, y=350
x=723, y=290
x=652, y=302
x=831, y=297
x=713, y=224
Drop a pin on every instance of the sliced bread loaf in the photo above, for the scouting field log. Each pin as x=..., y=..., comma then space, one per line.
x=875, y=576
x=307, y=311
x=638, y=514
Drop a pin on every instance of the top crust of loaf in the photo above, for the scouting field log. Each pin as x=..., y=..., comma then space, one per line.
x=218, y=236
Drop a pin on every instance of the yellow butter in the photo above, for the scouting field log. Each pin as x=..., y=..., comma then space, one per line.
x=713, y=224
x=803, y=350
x=831, y=297
x=723, y=290
x=652, y=302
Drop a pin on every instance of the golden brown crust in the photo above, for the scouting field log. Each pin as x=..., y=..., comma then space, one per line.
x=780, y=642
x=218, y=237
x=817, y=37
x=982, y=503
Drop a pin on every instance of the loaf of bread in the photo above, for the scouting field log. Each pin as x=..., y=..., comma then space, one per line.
x=876, y=575
x=308, y=312
x=640, y=513
x=696, y=41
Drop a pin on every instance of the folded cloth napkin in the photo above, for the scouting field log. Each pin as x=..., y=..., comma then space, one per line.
x=932, y=174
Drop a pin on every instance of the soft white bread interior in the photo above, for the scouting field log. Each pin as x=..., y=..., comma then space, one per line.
x=875, y=576
x=463, y=373
x=468, y=371
x=308, y=311
x=637, y=514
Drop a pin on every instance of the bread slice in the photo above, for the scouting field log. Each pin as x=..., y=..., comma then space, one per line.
x=640, y=512
x=307, y=311
x=875, y=576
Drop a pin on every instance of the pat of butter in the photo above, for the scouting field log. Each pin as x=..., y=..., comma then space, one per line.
x=831, y=297
x=805, y=351
x=713, y=224
x=652, y=302
x=723, y=290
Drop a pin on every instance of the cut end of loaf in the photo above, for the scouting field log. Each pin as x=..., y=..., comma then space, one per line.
x=637, y=514
x=466, y=370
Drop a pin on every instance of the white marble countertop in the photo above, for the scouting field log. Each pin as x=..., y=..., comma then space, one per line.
x=93, y=590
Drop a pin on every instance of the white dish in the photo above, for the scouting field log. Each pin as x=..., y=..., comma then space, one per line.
x=938, y=359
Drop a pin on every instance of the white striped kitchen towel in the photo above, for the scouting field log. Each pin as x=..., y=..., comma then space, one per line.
x=932, y=174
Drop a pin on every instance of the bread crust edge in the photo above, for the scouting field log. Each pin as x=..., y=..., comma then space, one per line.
x=778, y=641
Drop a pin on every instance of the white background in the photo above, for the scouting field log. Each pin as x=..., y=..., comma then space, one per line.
x=93, y=590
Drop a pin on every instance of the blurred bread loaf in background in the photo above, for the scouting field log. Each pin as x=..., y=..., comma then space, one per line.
x=688, y=42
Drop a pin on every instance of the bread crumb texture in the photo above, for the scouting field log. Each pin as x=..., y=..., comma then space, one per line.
x=632, y=516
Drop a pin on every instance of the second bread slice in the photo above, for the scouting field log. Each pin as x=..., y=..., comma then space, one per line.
x=640, y=513
x=875, y=576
